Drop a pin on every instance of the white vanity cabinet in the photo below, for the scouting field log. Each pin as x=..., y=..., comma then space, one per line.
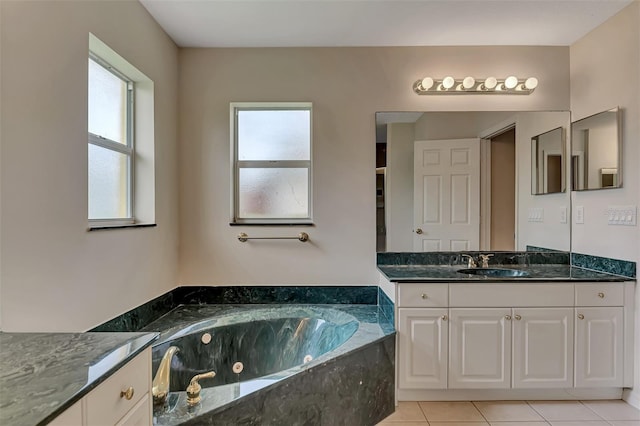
x=123, y=399
x=599, y=335
x=503, y=337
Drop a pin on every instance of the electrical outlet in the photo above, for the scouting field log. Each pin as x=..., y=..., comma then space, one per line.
x=563, y=214
x=579, y=214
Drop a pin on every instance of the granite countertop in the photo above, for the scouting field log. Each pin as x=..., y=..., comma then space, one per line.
x=449, y=273
x=43, y=374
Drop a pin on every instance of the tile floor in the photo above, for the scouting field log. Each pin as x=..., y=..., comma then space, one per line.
x=514, y=413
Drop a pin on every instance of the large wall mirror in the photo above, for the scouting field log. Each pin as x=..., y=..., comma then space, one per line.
x=548, y=162
x=596, y=152
x=453, y=181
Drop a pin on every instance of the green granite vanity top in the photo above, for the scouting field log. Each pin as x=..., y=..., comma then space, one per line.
x=43, y=374
x=448, y=273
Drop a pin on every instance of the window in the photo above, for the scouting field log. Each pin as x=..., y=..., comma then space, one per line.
x=271, y=145
x=111, y=148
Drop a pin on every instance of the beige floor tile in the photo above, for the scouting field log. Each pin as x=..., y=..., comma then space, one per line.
x=516, y=423
x=563, y=410
x=580, y=423
x=614, y=410
x=514, y=411
x=458, y=411
x=406, y=411
x=386, y=423
x=458, y=423
x=624, y=422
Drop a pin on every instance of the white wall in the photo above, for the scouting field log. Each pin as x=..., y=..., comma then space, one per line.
x=347, y=86
x=55, y=275
x=399, y=187
x=605, y=72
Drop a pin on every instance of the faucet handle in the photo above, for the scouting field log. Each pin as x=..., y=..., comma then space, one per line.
x=484, y=258
x=194, y=388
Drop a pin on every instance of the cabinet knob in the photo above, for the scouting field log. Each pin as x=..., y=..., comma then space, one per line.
x=518, y=317
x=424, y=296
x=419, y=231
x=581, y=316
x=507, y=317
x=601, y=295
x=127, y=394
x=444, y=317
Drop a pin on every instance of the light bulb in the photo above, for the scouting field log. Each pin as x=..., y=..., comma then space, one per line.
x=511, y=82
x=468, y=82
x=448, y=82
x=490, y=83
x=427, y=83
x=531, y=83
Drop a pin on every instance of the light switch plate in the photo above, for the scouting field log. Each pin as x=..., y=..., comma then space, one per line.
x=622, y=215
x=579, y=214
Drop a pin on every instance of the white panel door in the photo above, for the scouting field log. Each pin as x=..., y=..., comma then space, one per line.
x=543, y=348
x=423, y=348
x=599, y=346
x=446, y=195
x=480, y=348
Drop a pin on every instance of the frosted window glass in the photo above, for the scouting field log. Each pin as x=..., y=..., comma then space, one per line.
x=274, y=193
x=108, y=176
x=107, y=104
x=274, y=135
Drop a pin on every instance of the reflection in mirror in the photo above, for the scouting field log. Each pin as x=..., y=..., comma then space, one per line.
x=596, y=150
x=547, y=167
x=455, y=181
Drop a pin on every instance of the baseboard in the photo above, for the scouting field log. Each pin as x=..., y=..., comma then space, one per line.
x=507, y=394
x=632, y=397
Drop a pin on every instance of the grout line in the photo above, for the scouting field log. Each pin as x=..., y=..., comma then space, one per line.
x=594, y=412
x=479, y=411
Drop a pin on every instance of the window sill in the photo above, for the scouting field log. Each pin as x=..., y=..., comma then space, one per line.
x=133, y=225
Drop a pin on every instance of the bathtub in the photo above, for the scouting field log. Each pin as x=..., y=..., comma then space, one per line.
x=301, y=364
x=262, y=343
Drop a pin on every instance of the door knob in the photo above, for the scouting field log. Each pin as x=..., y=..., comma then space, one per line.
x=419, y=231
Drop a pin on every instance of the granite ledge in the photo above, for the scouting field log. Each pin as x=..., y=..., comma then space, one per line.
x=43, y=374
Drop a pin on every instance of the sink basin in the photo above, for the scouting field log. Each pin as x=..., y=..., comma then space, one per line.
x=495, y=272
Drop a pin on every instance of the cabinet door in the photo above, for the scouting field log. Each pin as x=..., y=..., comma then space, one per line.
x=480, y=350
x=599, y=355
x=543, y=347
x=422, y=348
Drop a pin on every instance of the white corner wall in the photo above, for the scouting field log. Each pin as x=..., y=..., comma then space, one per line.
x=55, y=275
x=347, y=86
x=605, y=72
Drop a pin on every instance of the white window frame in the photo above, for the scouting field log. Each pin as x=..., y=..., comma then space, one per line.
x=127, y=148
x=236, y=164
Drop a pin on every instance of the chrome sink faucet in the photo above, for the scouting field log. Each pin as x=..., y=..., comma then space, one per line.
x=160, y=385
x=471, y=263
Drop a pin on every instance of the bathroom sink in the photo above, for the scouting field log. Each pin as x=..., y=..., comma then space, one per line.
x=494, y=272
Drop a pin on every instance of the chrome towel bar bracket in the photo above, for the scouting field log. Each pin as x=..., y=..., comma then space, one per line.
x=302, y=237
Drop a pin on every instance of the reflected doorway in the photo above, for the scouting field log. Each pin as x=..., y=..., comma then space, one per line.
x=503, y=191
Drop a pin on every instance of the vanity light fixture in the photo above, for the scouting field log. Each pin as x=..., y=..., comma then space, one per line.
x=511, y=85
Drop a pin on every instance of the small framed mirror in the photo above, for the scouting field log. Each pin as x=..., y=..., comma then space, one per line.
x=596, y=152
x=547, y=162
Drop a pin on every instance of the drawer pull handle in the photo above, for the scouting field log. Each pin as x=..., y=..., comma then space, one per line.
x=518, y=317
x=601, y=295
x=581, y=316
x=127, y=394
x=424, y=296
x=507, y=317
x=444, y=318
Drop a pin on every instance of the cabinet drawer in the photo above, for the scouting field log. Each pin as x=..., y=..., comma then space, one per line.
x=600, y=294
x=423, y=295
x=511, y=295
x=104, y=403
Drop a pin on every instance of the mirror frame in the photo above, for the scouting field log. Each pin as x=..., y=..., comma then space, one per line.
x=618, y=140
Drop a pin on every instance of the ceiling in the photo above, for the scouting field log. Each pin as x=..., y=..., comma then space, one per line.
x=327, y=23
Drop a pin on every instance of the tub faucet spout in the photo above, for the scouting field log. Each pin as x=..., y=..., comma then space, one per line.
x=160, y=385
